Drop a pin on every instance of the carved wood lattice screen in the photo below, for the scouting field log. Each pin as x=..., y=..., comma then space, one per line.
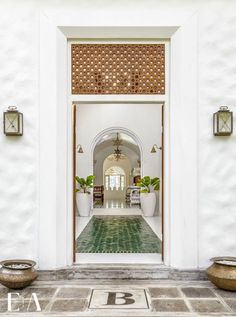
x=118, y=68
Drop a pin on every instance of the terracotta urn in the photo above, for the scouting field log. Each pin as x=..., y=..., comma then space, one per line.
x=222, y=272
x=17, y=274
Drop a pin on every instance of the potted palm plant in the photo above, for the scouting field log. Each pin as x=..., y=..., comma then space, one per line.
x=147, y=195
x=84, y=197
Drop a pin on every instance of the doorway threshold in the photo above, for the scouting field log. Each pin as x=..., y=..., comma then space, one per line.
x=121, y=271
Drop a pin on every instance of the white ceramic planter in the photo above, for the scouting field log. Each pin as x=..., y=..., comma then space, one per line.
x=84, y=204
x=148, y=203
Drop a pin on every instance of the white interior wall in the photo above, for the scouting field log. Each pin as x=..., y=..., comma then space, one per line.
x=92, y=119
x=30, y=215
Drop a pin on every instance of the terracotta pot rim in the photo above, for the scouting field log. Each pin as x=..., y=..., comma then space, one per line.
x=218, y=260
x=5, y=264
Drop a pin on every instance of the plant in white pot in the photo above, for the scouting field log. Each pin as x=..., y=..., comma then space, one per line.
x=83, y=196
x=148, y=195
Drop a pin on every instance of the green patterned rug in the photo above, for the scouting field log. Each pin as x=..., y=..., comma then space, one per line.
x=118, y=234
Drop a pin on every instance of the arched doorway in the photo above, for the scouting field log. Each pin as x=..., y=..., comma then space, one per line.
x=117, y=167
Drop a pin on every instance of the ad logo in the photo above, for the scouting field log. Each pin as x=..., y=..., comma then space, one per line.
x=14, y=301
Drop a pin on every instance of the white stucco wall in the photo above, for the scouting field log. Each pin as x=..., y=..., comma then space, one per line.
x=19, y=81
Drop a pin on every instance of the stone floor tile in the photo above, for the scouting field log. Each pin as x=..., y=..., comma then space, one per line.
x=41, y=292
x=73, y=292
x=207, y=306
x=69, y=305
x=21, y=305
x=29, y=306
x=226, y=294
x=3, y=306
x=4, y=291
x=198, y=292
x=232, y=304
x=164, y=292
x=169, y=305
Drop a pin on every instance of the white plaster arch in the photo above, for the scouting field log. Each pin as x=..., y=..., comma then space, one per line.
x=110, y=130
x=118, y=168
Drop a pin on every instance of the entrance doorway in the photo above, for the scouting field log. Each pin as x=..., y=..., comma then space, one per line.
x=118, y=151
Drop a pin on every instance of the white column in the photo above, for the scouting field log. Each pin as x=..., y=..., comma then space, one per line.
x=183, y=147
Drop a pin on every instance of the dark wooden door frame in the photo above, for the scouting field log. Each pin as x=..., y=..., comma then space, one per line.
x=162, y=180
x=74, y=183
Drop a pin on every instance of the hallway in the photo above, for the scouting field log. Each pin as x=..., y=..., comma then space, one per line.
x=123, y=242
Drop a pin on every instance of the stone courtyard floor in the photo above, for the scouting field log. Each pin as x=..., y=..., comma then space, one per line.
x=118, y=298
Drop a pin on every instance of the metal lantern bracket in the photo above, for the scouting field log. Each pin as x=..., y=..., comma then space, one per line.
x=79, y=149
x=155, y=148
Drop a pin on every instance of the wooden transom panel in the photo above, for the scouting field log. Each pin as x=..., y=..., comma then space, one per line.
x=118, y=69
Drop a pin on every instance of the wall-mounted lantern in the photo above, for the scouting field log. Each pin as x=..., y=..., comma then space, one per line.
x=13, y=122
x=155, y=148
x=80, y=149
x=223, y=122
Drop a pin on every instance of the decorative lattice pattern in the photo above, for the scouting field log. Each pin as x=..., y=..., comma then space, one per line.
x=118, y=68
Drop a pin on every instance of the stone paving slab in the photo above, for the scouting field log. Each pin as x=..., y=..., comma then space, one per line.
x=119, y=298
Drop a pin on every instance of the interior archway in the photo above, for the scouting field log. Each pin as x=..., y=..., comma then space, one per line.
x=119, y=150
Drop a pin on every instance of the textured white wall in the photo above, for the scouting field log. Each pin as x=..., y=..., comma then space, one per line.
x=19, y=155
x=217, y=155
x=19, y=78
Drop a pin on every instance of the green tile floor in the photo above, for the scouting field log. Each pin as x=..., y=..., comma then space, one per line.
x=118, y=234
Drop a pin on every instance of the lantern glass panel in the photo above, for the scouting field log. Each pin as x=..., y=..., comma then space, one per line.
x=224, y=121
x=12, y=122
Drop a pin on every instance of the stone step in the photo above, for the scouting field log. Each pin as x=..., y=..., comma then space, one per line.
x=113, y=271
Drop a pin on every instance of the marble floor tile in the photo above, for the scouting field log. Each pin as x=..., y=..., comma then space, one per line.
x=207, y=306
x=169, y=305
x=197, y=292
x=119, y=299
x=164, y=292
